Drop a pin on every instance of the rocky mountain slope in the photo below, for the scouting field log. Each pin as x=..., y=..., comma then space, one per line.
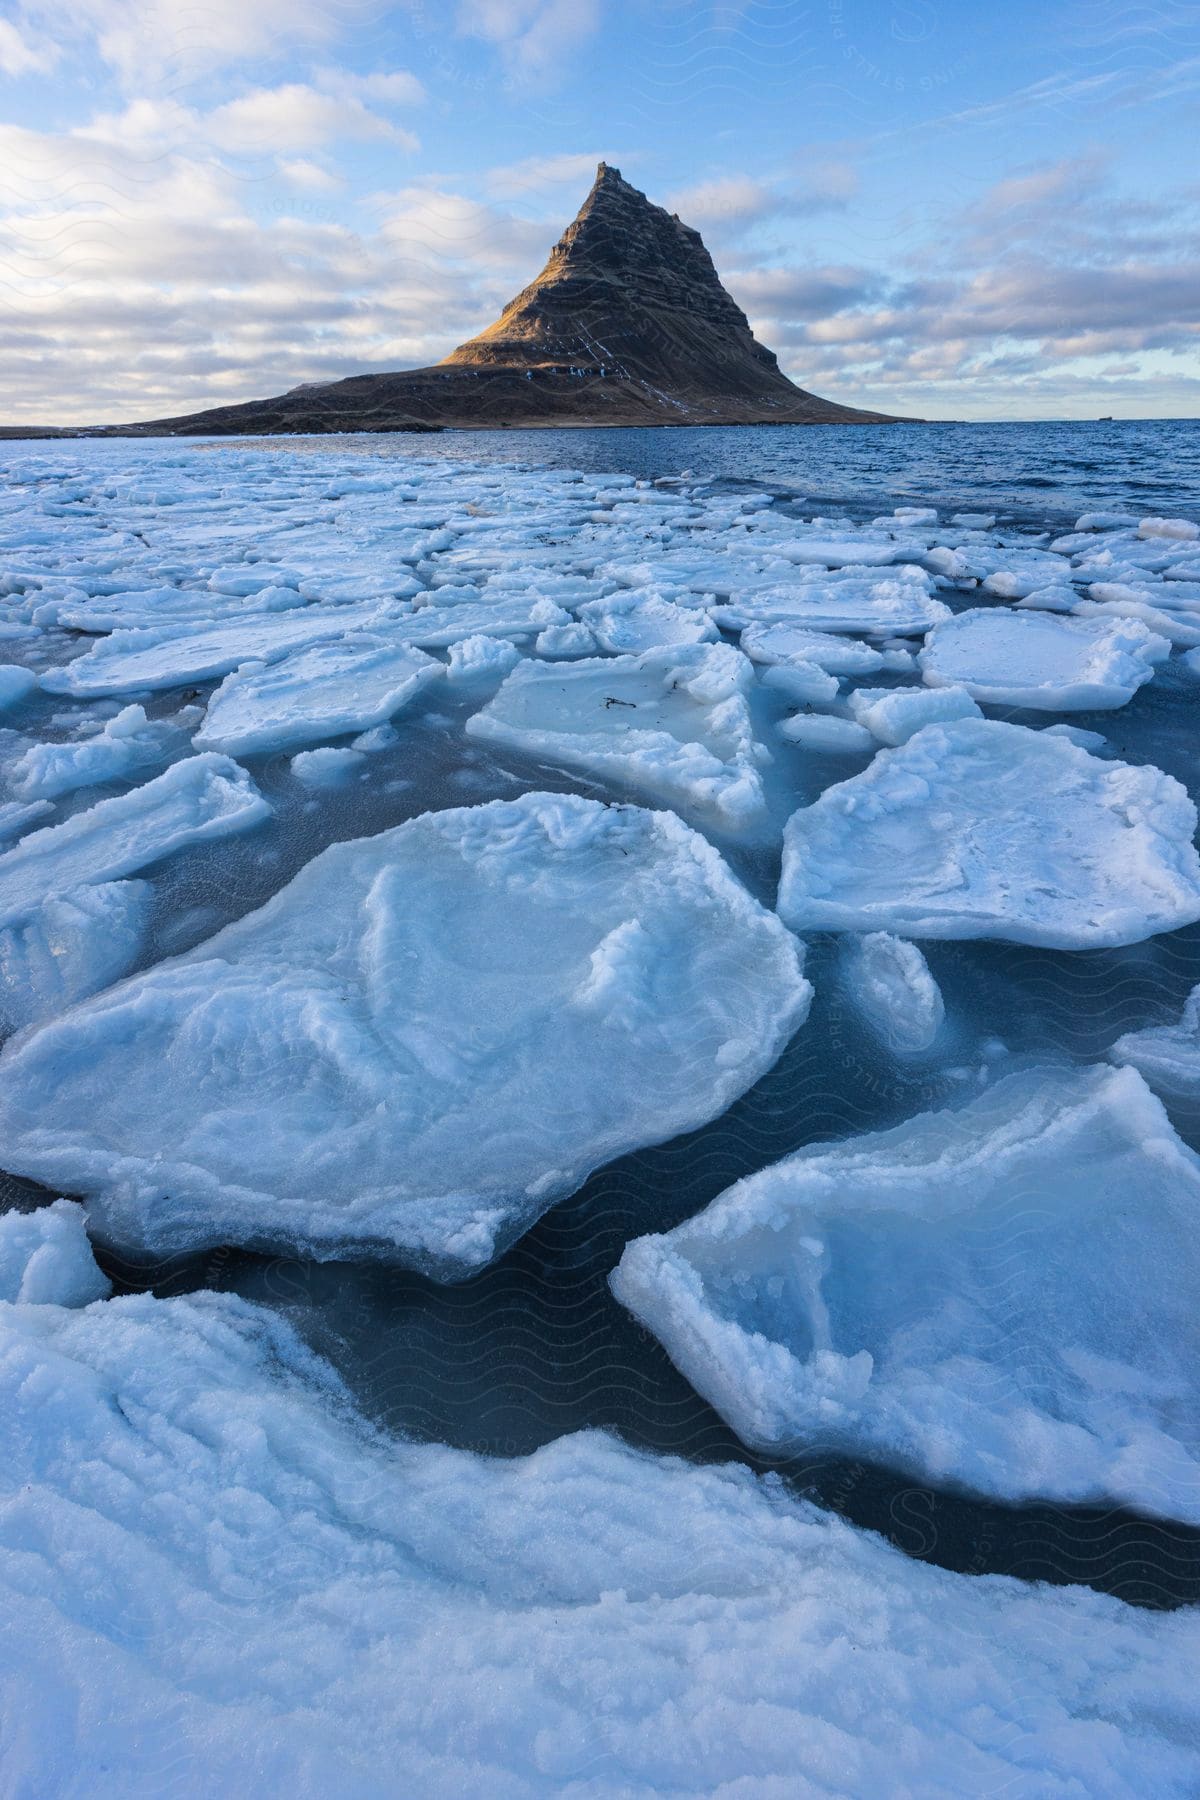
x=627, y=324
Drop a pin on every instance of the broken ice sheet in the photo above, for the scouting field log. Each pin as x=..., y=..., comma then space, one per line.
x=418, y=1045
x=673, y=723
x=1001, y=1296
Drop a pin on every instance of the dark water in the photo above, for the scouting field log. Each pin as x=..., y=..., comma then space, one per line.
x=535, y=1346
x=1043, y=472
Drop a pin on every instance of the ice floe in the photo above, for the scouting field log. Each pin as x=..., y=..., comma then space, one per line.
x=785, y=642
x=1036, y=660
x=1168, y=1056
x=889, y=983
x=126, y=747
x=673, y=723
x=214, y=1568
x=893, y=715
x=420, y=1044
x=322, y=691
x=863, y=605
x=46, y=1260
x=194, y=802
x=69, y=947
x=983, y=829
x=1001, y=1296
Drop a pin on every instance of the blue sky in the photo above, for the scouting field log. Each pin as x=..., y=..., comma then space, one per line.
x=958, y=211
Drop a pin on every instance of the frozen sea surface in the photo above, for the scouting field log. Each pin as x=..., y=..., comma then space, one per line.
x=313, y=581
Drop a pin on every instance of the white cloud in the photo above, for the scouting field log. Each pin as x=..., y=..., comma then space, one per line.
x=22, y=55
x=308, y=176
x=296, y=117
x=536, y=38
x=570, y=168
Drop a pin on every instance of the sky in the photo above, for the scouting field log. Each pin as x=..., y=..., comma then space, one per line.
x=951, y=210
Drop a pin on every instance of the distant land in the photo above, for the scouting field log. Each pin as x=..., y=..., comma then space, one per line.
x=627, y=324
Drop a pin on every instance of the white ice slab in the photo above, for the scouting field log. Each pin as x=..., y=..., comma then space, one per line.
x=420, y=1044
x=46, y=1260
x=193, y=802
x=828, y=735
x=1168, y=1056
x=16, y=684
x=674, y=723
x=890, y=985
x=893, y=715
x=784, y=642
x=982, y=829
x=218, y=1580
x=899, y=606
x=127, y=747
x=634, y=620
x=1002, y=1296
x=165, y=658
x=321, y=691
x=73, y=945
x=1040, y=661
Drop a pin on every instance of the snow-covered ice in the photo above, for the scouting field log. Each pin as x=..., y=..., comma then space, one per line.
x=629, y=622
x=16, y=684
x=865, y=605
x=893, y=715
x=218, y=1579
x=194, y=802
x=71, y=946
x=890, y=985
x=1168, y=1056
x=983, y=829
x=783, y=642
x=46, y=1260
x=124, y=749
x=476, y=659
x=673, y=723
x=1041, y=661
x=420, y=1044
x=1001, y=1296
x=322, y=691
x=827, y=734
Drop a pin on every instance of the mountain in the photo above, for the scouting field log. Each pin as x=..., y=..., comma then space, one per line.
x=627, y=324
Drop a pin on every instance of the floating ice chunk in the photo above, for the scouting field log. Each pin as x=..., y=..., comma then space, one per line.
x=835, y=553
x=329, y=766
x=16, y=684
x=1104, y=521
x=1050, y=599
x=632, y=621
x=1075, y=734
x=1038, y=661
x=320, y=691
x=915, y=515
x=587, y=1620
x=1177, y=628
x=15, y=818
x=891, y=607
x=981, y=829
x=673, y=723
x=890, y=984
x=127, y=746
x=482, y=659
x=1185, y=529
x=172, y=658
x=73, y=945
x=1000, y=1296
x=802, y=683
x=783, y=642
x=565, y=641
x=893, y=714
x=973, y=521
x=831, y=736
x=420, y=1044
x=513, y=616
x=193, y=802
x=1168, y=1056
x=46, y=1260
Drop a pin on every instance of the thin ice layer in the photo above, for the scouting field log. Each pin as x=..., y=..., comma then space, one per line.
x=193, y=802
x=1002, y=1296
x=979, y=829
x=417, y=1046
x=217, y=1580
x=1042, y=661
x=673, y=723
x=323, y=691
